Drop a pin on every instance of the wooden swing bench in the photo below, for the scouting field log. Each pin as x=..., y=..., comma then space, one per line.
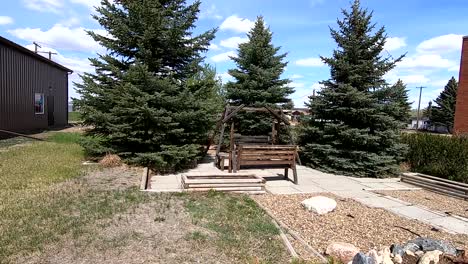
x=244, y=140
x=272, y=156
x=256, y=150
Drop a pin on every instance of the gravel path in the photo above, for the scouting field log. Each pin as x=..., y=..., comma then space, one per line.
x=351, y=222
x=432, y=201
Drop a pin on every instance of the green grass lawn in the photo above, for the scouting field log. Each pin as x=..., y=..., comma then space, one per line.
x=239, y=224
x=74, y=117
x=47, y=198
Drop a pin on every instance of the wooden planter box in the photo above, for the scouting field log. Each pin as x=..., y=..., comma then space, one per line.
x=224, y=183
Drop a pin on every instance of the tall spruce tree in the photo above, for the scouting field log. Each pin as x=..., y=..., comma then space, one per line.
x=258, y=79
x=443, y=114
x=398, y=105
x=151, y=100
x=356, y=118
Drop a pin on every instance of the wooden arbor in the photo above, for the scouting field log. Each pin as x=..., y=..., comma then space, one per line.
x=263, y=155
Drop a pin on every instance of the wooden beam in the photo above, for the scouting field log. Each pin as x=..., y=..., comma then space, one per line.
x=218, y=126
x=278, y=116
x=221, y=136
x=233, y=150
x=21, y=135
x=233, y=113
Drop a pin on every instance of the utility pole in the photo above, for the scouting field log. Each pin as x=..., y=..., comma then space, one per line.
x=35, y=46
x=419, y=106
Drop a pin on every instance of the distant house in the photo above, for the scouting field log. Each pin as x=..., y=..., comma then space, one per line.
x=33, y=89
x=296, y=114
x=425, y=124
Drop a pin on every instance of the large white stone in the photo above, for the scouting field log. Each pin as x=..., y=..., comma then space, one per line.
x=319, y=204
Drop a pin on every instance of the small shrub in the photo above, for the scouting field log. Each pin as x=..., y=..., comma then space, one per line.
x=95, y=146
x=111, y=160
x=437, y=155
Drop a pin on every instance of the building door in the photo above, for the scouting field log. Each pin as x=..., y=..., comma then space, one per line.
x=50, y=111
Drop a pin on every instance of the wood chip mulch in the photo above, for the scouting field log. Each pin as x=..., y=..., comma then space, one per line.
x=351, y=222
x=431, y=200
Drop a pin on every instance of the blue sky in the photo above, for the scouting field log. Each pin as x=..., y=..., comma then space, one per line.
x=429, y=31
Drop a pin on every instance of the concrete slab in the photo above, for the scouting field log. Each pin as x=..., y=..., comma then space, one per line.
x=375, y=185
x=367, y=180
x=354, y=194
x=451, y=224
x=309, y=188
x=283, y=190
x=279, y=183
x=380, y=202
x=415, y=212
x=400, y=185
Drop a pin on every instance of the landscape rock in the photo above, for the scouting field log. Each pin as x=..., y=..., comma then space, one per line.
x=410, y=259
x=344, y=252
x=319, y=204
x=361, y=258
x=419, y=253
x=428, y=244
x=461, y=258
x=410, y=253
x=430, y=257
x=397, y=250
x=386, y=258
x=374, y=257
x=398, y=259
x=411, y=247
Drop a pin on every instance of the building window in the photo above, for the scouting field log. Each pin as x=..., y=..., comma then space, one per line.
x=39, y=103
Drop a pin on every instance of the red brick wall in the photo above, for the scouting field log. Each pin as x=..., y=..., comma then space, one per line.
x=461, y=109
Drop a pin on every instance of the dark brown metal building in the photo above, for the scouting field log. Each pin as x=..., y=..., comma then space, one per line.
x=33, y=89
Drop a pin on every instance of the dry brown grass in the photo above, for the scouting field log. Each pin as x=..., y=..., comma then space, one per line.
x=110, y=160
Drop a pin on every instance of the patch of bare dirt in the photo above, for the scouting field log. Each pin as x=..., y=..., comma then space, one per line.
x=351, y=222
x=116, y=178
x=155, y=232
x=431, y=200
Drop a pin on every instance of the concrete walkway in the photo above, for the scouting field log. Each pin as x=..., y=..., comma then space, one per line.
x=313, y=181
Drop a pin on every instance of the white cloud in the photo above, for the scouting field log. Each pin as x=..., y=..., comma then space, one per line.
x=310, y=62
x=237, y=24
x=414, y=79
x=455, y=68
x=211, y=12
x=5, y=20
x=316, y=86
x=78, y=65
x=223, y=56
x=426, y=61
x=213, y=47
x=439, y=83
x=441, y=44
x=225, y=77
x=53, y=6
x=296, y=76
x=61, y=37
x=297, y=85
x=70, y=22
x=395, y=43
x=89, y=3
x=233, y=42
